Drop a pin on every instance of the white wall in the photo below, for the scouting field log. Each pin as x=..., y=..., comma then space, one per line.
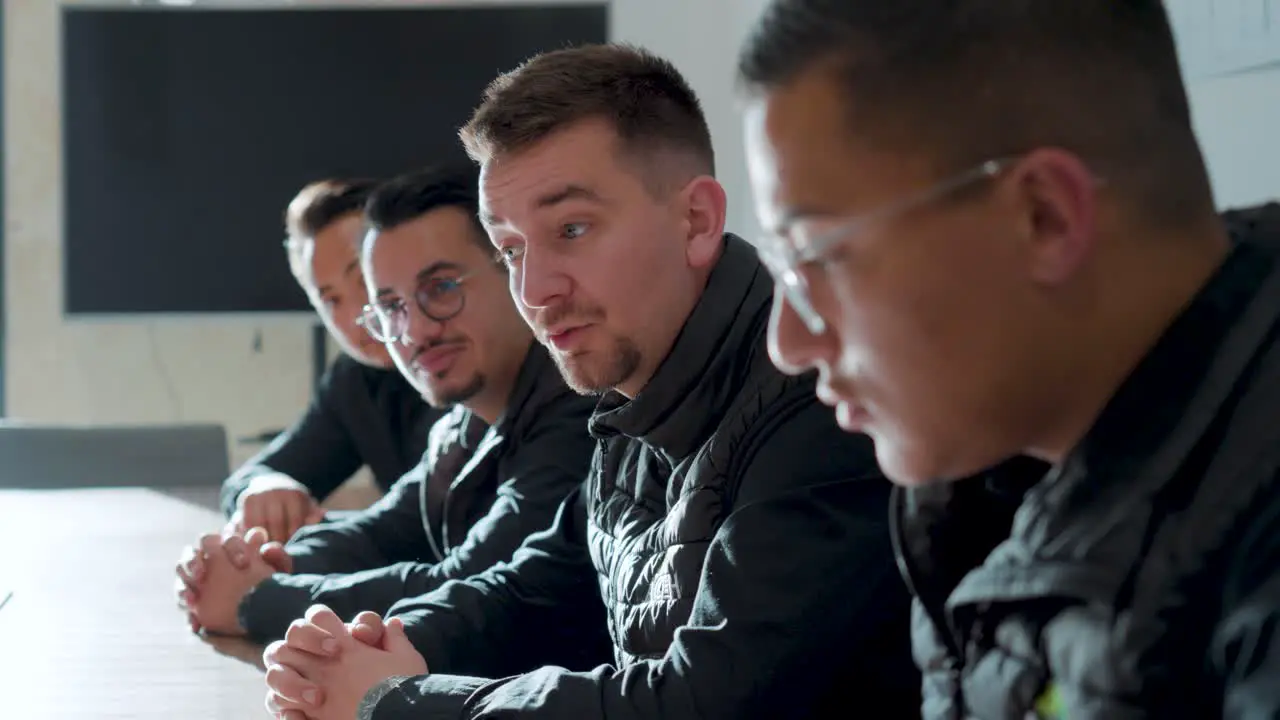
x=208, y=370
x=1238, y=120
x=702, y=37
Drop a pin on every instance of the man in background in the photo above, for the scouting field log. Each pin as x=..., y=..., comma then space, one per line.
x=498, y=464
x=363, y=414
x=993, y=235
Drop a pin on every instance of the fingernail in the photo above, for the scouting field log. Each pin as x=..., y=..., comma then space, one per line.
x=330, y=646
x=309, y=696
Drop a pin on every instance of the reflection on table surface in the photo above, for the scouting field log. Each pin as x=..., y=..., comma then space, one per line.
x=92, y=629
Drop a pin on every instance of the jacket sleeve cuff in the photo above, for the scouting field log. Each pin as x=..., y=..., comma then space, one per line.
x=427, y=697
x=266, y=612
x=371, y=699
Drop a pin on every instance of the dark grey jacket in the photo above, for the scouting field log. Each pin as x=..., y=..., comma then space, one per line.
x=359, y=416
x=737, y=537
x=499, y=485
x=1141, y=579
x=1255, y=223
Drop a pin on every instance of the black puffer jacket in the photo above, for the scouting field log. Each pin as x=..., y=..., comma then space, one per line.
x=737, y=536
x=479, y=491
x=359, y=417
x=672, y=461
x=1141, y=579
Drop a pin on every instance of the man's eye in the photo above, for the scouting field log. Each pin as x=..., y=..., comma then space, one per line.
x=573, y=231
x=511, y=254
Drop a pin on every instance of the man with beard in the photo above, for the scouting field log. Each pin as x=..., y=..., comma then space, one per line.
x=731, y=539
x=497, y=465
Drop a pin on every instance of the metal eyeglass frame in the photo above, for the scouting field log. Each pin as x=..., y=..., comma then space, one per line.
x=785, y=257
x=371, y=315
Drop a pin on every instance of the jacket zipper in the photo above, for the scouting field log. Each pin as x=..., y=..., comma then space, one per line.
x=441, y=547
x=444, y=513
x=426, y=521
x=906, y=567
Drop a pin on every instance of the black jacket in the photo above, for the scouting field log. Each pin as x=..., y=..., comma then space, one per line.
x=1141, y=578
x=358, y=416
x=498, y=485
x=737, y=537
x=1256, y=223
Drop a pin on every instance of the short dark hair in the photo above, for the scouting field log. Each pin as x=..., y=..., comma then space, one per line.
x=324, y=202
x=412, y=195
x=970, y=80
x=642, y=96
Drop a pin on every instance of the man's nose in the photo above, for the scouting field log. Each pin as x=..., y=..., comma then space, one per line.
x=541, y=280
x=792, y=347
x=420, y=327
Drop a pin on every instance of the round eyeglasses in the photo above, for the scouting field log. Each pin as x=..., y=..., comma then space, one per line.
x=439, y=298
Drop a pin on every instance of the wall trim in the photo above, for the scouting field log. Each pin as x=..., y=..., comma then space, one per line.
x=4, y=216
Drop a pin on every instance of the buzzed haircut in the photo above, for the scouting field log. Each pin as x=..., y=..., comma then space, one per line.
x=643, y=97
x=964, y=81
x=322, y=203
x=407, y=197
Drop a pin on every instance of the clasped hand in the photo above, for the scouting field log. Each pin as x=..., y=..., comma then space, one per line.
x=324, y=668
x=216, y=573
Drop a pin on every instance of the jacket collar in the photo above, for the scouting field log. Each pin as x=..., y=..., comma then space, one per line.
x=537, y=383
x=1152, y=405
x=692, y=386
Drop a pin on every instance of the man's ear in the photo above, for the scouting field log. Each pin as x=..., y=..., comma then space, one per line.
x=1060, y=196
x=704, y=207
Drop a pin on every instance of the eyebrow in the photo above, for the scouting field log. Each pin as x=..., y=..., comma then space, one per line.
x=551, y=199
x=425, y=273
x=326, y=289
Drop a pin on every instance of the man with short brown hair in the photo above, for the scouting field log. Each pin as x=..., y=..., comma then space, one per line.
x=736, y=536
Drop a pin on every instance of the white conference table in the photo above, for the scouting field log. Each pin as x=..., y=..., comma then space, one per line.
x=92, y=630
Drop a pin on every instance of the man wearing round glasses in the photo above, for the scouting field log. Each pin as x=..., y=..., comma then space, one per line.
x=993, y=236
x=364, y=413
x=497, y=465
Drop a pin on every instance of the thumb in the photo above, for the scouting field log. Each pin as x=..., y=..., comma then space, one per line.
x=255, y=538
x=277, y=557
x=395, y=640
x=367, y=627
x=314, y=515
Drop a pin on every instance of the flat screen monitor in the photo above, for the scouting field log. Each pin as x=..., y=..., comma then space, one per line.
x=188, y=130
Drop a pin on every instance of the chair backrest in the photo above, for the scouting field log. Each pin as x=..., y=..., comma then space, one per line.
x=61, y=456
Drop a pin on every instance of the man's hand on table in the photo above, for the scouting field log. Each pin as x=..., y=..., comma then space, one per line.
x=215, y=574
x=324, y=668
x=277, y=503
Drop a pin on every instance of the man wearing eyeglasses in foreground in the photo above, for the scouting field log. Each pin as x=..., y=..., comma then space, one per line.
x=995, y=236
x=497, y=466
